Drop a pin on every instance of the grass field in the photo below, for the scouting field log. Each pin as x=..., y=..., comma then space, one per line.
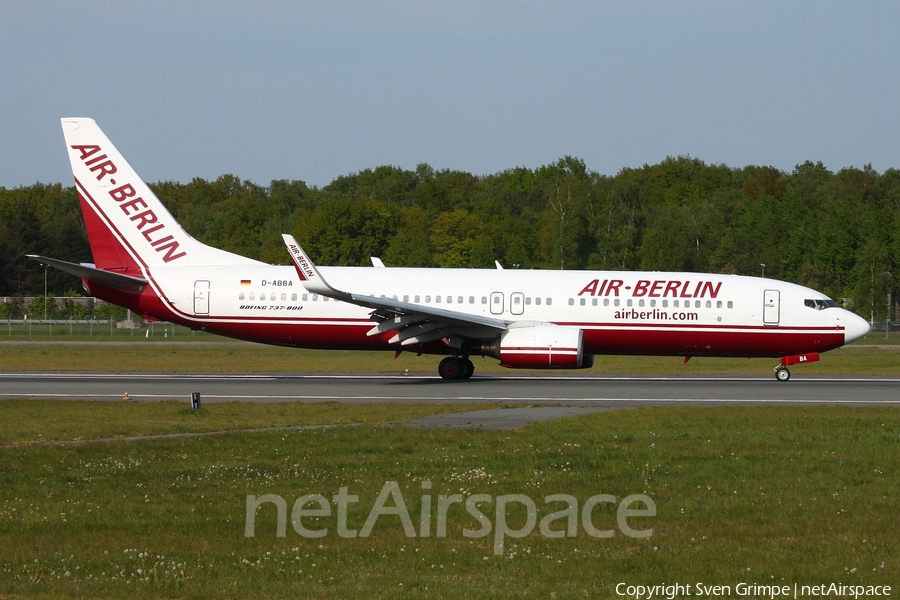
x=771, y=495
x=765, y=495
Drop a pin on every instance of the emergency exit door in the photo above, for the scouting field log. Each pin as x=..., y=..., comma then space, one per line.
x=497, y=303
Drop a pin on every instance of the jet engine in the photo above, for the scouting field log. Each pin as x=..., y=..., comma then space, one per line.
x=542, y=346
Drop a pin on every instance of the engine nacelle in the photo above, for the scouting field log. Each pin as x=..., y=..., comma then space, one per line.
x=543, y=346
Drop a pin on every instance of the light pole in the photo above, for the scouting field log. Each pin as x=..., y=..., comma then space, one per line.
x=887, y=317
x=45, y=292
x=763, y=265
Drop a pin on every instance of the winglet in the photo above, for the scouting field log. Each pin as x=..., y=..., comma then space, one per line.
x=310, y=277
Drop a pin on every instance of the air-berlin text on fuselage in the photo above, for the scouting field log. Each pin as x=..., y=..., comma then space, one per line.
x=657, y=288
x=132, y=205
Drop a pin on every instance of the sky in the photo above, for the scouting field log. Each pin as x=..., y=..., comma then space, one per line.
x=314, y=90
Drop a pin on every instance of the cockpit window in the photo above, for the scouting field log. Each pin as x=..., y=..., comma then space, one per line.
x=820, y=304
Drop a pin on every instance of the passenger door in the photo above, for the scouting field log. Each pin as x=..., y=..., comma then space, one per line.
x=771, y=307
x=201, y=297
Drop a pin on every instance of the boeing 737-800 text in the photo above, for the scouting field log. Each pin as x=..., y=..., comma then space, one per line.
x=145, y=261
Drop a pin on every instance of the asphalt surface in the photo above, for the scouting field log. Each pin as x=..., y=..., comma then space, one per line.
x=525, y=399
x=609, y=392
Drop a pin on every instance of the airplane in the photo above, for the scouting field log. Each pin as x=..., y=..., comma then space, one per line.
x=528, y=319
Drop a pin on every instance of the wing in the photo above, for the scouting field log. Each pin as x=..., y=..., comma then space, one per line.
x=413, y=323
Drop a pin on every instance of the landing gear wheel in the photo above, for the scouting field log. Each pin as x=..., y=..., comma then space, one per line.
x=468, y=368
x=782, y=374
x=451, y=368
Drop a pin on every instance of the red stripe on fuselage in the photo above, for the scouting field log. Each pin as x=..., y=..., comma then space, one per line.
x=736, y=342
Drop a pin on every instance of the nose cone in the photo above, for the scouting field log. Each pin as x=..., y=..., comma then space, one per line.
x=854, y=327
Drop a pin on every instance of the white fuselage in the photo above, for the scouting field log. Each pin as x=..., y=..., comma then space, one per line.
x=619, y=312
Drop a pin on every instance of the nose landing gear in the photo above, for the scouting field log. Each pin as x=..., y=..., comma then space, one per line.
x=781, y=371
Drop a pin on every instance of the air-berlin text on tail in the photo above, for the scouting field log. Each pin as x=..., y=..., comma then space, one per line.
x=658, y=288
x=132, y=205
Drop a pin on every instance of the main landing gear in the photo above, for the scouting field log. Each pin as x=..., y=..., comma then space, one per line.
x=456, y=367
x=782, y=373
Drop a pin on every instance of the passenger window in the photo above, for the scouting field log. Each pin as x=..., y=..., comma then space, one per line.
x=437, y=299
x=304, y=297
x=606, y=302
x=675, y=303
x=528, y=301
x=283, y=297
x=730, y=304
x=629, y=302
x=253, y=295
x=549, y=301
x=417, y=298
x=593, y=302
x=571, y=302
x=652, y=303
x=641, y=302
x=616, y=302
x=696, y=304
x=459, y=300
x=471, y=299
x=537, y=301
x=427, y=299
x=315, y=297
x=517, y=300
x=293, y=297
x=709, y=304
x=241, y=296
x=496, y=299
x=484, y=299
x=665, y=303
x=718, y=304
x=406, y=297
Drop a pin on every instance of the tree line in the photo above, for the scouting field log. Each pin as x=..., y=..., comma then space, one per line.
x=838, y=232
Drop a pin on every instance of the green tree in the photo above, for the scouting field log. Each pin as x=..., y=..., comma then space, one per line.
x=458, y=239
x=342, y=231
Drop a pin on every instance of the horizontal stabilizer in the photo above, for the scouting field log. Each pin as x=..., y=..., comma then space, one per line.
x=92, y=274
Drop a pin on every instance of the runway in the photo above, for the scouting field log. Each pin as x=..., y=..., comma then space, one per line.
x=591, y=391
